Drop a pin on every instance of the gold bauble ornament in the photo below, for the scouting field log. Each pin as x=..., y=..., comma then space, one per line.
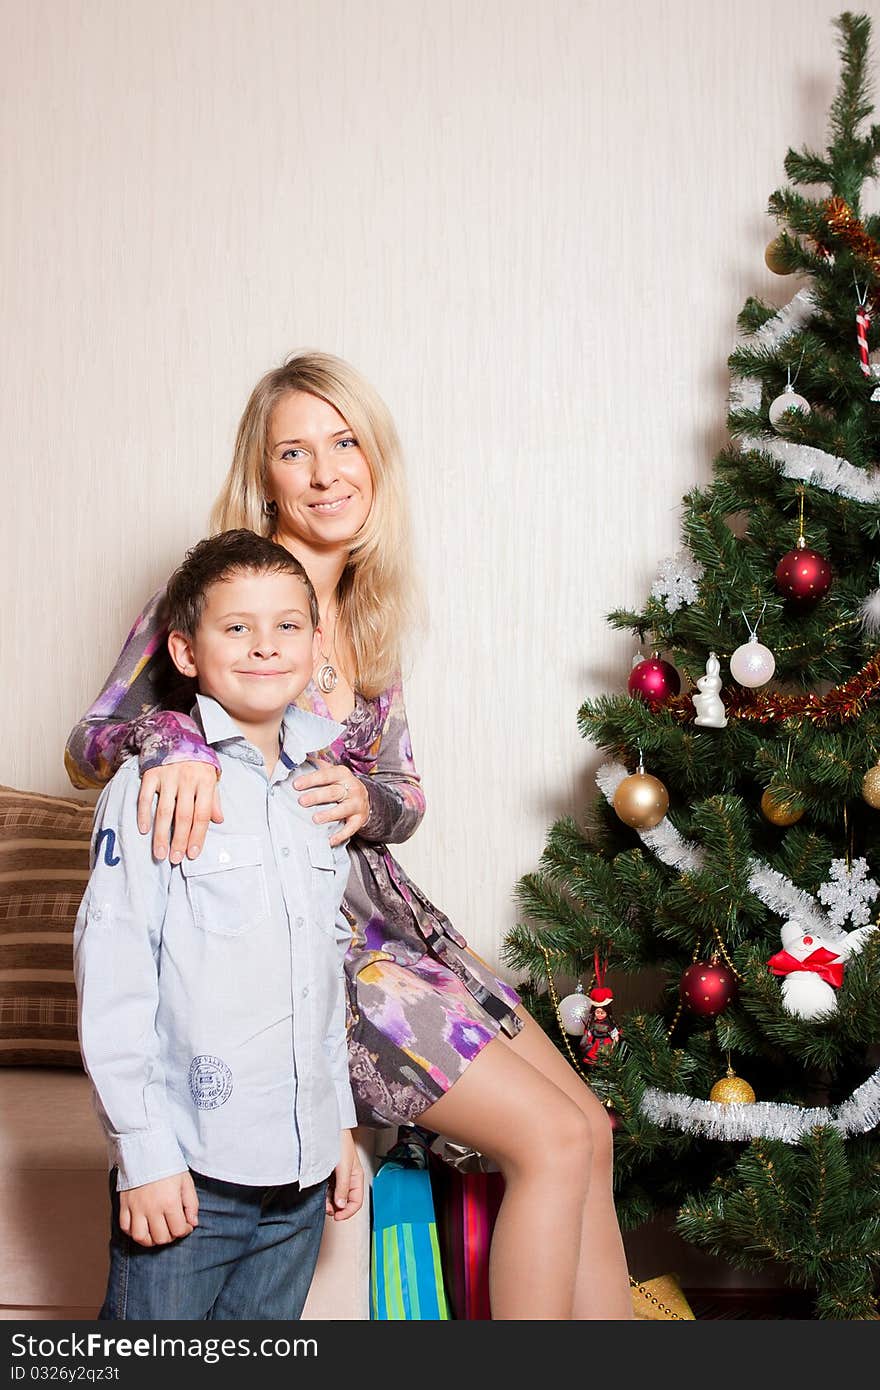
x=732, y=1090
x=871, y=787
x=772, y=258
x=641, y=800
x=780, y=812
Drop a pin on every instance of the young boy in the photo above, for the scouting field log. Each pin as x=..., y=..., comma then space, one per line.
x=212, y=1003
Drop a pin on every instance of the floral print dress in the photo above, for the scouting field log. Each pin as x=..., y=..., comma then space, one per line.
x=421, y=1005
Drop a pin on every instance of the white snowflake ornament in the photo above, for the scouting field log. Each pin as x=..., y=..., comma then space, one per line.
x=848, y=892
x=678, y=581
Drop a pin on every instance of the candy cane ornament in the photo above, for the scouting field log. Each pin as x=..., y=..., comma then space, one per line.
x=863, y=323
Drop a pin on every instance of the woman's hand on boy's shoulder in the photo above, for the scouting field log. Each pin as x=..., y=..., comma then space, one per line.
x=345, y=1192
x=189, y=797
x=158, y=1212
x=337, y=784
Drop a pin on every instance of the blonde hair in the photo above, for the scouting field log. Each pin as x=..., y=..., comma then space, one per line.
x=377, y=594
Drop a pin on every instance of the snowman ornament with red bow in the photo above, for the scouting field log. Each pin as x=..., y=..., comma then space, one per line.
x=812, y=968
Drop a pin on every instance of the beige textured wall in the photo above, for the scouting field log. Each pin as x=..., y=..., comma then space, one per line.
x=530, y=222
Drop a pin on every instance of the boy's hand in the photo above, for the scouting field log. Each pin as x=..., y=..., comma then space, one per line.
x=159, y=1212
x=345, y=1193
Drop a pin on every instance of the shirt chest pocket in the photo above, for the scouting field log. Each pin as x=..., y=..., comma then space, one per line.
x=322, y=883
x=226, y=885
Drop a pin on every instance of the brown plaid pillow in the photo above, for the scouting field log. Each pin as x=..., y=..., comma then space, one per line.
x=44, y=868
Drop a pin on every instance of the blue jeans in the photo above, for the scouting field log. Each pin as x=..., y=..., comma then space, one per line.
x=252, y=1256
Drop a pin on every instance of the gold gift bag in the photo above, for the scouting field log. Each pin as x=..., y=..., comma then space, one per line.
x=660, y=1298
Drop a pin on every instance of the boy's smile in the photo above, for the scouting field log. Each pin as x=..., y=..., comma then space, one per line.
x=254, y=650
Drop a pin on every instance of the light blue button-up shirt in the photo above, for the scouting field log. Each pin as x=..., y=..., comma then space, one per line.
x=211, y=993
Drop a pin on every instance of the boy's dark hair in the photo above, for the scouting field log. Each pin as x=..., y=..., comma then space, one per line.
x=217, y=558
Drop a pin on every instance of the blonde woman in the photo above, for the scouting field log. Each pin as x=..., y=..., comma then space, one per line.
x=435, y=1037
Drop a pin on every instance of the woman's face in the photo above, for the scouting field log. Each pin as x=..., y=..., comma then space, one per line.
x=317, y=476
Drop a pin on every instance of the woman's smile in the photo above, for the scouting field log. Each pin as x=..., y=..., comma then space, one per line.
x=330, y=508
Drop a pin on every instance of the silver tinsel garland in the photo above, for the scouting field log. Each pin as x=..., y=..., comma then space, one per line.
x=762, y=1119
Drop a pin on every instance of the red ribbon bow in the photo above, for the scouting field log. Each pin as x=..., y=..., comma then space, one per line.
x=819, y=962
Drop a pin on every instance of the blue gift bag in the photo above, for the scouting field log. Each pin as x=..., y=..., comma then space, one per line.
x=406, y=1280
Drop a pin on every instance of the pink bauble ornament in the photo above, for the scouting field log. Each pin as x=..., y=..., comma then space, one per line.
x=613, y=1117
x=653, y=679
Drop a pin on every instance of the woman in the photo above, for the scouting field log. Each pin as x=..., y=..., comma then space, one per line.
x=435, y=1037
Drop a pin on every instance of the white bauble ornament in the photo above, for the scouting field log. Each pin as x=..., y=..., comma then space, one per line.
x=789, y=400
x=573, y=1011
x=752, y=664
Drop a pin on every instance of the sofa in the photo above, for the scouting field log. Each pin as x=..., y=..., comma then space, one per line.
x=54, y=1207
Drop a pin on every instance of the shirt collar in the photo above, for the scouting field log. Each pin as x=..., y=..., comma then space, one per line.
x=301, y=732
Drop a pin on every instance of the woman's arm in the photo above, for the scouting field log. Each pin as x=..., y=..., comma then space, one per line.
x=397, y=802
x=141, y=710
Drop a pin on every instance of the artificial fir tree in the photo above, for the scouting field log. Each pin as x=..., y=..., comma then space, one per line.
x=754, y=895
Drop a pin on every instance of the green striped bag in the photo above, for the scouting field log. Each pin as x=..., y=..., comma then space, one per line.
x=406, y=1281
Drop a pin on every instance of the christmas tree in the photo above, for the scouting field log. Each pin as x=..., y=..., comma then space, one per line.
x=734, y=845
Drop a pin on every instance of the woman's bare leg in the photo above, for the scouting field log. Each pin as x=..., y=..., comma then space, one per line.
x=602, y=1285
x=541, y=1140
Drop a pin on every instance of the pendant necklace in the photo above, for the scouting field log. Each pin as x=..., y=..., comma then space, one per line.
x=328, y=676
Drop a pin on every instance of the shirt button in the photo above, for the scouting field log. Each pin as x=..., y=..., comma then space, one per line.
x=285, y=851
x=223, y=857
x=299, y=921
x=306, y=992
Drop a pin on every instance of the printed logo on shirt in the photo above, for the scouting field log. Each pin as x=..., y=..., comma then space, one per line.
x=210, y=1082
x=110, y=857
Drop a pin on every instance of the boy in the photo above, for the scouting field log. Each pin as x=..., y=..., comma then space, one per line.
x=211, y=993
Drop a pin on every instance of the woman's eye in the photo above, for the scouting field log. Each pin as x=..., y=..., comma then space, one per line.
x=344, y=443
x=292, y=454
x=289, y=627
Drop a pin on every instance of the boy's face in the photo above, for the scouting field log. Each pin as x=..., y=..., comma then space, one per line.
x=255, y=648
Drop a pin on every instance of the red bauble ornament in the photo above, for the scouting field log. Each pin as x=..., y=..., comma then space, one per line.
x=803, y=575
x=707, y=988
x=653, y=679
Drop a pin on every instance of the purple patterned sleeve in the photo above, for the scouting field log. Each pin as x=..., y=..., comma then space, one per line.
x=386, y=769
x=141, y=709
